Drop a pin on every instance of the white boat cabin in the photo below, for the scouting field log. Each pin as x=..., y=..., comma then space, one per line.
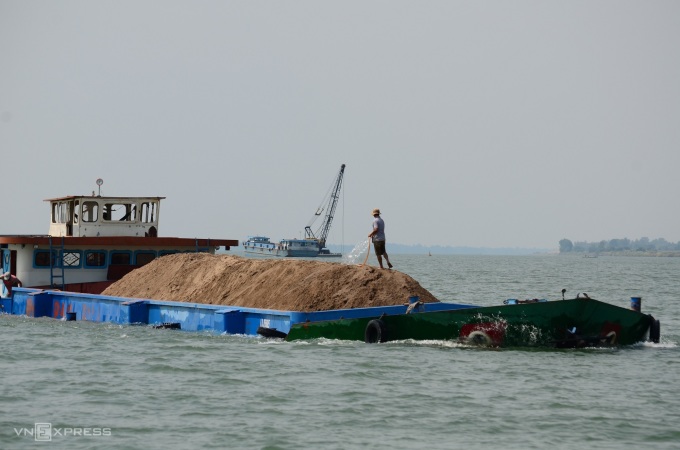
x=92, y=242
x=84, y=216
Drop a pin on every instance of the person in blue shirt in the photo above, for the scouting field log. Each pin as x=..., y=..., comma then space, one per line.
x=378, y=237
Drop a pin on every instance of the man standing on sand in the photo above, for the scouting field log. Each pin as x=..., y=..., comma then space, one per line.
x=378, y=236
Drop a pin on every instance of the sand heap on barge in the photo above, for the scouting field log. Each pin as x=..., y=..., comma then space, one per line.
x=287, y=285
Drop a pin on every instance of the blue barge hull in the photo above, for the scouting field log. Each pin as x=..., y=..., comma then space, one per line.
x=220, y=319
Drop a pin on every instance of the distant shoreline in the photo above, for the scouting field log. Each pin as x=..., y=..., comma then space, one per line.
x=418, y=249
x=663, y=254
x=401, y=249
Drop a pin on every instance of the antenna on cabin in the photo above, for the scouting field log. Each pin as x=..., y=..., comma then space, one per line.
x=99, y=185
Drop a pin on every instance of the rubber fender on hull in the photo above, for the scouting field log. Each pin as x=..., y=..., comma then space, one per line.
x=271, y=332
x=479, y=338
x=655, y=331
x=169, y=326
x=376, y=331
x=609, y=338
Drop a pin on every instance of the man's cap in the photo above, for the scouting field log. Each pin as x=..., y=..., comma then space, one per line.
x=375, y=211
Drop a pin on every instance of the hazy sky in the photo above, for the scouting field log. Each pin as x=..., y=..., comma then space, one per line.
x=469, y=123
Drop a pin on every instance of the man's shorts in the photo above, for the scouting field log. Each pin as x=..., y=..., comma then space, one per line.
x=379, y=247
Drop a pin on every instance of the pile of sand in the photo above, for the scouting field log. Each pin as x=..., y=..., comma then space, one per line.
x=281, y=284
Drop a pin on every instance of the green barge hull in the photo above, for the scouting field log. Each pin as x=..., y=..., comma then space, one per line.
x=563, y=324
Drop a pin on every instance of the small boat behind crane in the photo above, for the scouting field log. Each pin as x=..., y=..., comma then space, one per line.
x=314, y=243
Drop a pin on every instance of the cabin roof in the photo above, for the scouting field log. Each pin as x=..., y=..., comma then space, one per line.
x=102, y=241
x=73, y=197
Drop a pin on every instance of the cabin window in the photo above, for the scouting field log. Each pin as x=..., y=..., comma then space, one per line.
x=144, y=257
x=71, y=259
x=90, y=211
x=149, y=212
x=41, y=258
x=76, y=211
x=119, y=212
x=95, y=258
x=60, y=212
x=121, y=258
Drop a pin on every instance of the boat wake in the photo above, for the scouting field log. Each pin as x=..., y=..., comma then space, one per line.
x=662, y=344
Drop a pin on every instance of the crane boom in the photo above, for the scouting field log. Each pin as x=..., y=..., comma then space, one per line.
x=330, y=211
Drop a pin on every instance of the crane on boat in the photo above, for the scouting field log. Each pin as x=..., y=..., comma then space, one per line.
x=322, y=232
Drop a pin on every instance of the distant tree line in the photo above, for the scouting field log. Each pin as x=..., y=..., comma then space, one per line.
x=420, y=249
x=619, y=245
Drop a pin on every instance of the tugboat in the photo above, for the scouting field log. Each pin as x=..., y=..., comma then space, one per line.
x=314, y=244
x=92, y=242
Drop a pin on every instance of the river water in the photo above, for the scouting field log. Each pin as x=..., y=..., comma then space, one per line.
x=86, y=385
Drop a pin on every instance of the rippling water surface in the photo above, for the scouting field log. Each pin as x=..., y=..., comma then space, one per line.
x=110, y=386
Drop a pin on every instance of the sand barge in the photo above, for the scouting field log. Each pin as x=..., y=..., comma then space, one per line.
x=280, y=284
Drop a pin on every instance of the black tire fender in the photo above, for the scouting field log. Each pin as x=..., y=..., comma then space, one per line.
x=610, y=338
x=655, y=331
x=479, y=338
x=271, y=333
x=376, y=331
